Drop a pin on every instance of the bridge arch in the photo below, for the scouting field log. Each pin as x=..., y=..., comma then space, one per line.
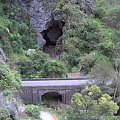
x=51, y=96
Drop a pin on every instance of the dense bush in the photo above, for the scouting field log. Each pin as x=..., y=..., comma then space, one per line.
x=83, y=35
x=8, y=78
x=14, y=41
x=54, y=69
x=4, y=114
x=93, y=103
x=31, y=64
x=36, y=64
x=33, y=110
x=25, y=66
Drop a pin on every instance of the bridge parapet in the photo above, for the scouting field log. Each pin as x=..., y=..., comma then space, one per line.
x=54, y=79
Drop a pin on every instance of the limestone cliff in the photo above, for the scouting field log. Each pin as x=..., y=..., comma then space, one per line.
x=39, y=16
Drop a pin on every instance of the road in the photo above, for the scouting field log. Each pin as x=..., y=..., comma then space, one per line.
x=54, y=83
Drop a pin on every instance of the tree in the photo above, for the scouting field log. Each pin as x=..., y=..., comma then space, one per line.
x=116, y=81
x=102, y=72
x=94, y=103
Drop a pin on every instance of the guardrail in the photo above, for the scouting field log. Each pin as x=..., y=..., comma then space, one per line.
x=52, y=79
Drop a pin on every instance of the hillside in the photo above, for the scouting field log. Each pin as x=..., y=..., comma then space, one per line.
x=51, y=38
x=72, y=32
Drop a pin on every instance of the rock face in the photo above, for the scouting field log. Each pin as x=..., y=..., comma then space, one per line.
x=2, y=102
x=39, y=19
x=45, y=24
x=40, y=16
x=2, y=55
x=87, y=6
x=39, y=13
x=11, y=107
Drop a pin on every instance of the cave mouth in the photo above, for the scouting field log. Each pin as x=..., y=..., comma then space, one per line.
x=51, y=97
x=52, y=34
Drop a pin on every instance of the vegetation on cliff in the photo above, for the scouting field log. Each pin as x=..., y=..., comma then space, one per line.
x=90, y=44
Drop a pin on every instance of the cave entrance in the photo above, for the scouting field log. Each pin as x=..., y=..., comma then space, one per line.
x=51, y=35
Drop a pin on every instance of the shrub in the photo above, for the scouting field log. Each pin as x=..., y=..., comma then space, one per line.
x=94, y=103
x=54, y=69
x=100, y=12
x=33, y=110
x=25, y=66
x=31, y=64
x=8, y=78
x=4, y=114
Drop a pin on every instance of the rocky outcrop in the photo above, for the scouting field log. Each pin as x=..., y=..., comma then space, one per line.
x=2, y=55
x=13, y=112
x=87, y=6
x=42, y=19
x=39, y=13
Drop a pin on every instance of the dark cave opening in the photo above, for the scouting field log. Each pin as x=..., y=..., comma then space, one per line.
x=48, y=40
x=53, y=33
x=51, y=97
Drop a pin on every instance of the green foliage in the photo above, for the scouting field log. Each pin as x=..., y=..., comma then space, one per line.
x=113, y=16
x=87, y=61
x=94, y=103
x=102, y=71
x=26, y=35
x=77, y=99
x=83, y=35
x=100, y=12
x=54, y=69
x=39, y=58
x=93, y=91
x=5, y=1
x=72, y=59
x=111, y=118
x=37, y=64
x=25, y=66
x=33, y=110
x=4, y=114
x=16, y=37
x=72, y=114
x=100, y=8
x=31, y=64
x=16, y=45
x=8, y=78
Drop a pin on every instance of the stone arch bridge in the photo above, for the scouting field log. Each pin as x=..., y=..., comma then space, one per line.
x=34, y=89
